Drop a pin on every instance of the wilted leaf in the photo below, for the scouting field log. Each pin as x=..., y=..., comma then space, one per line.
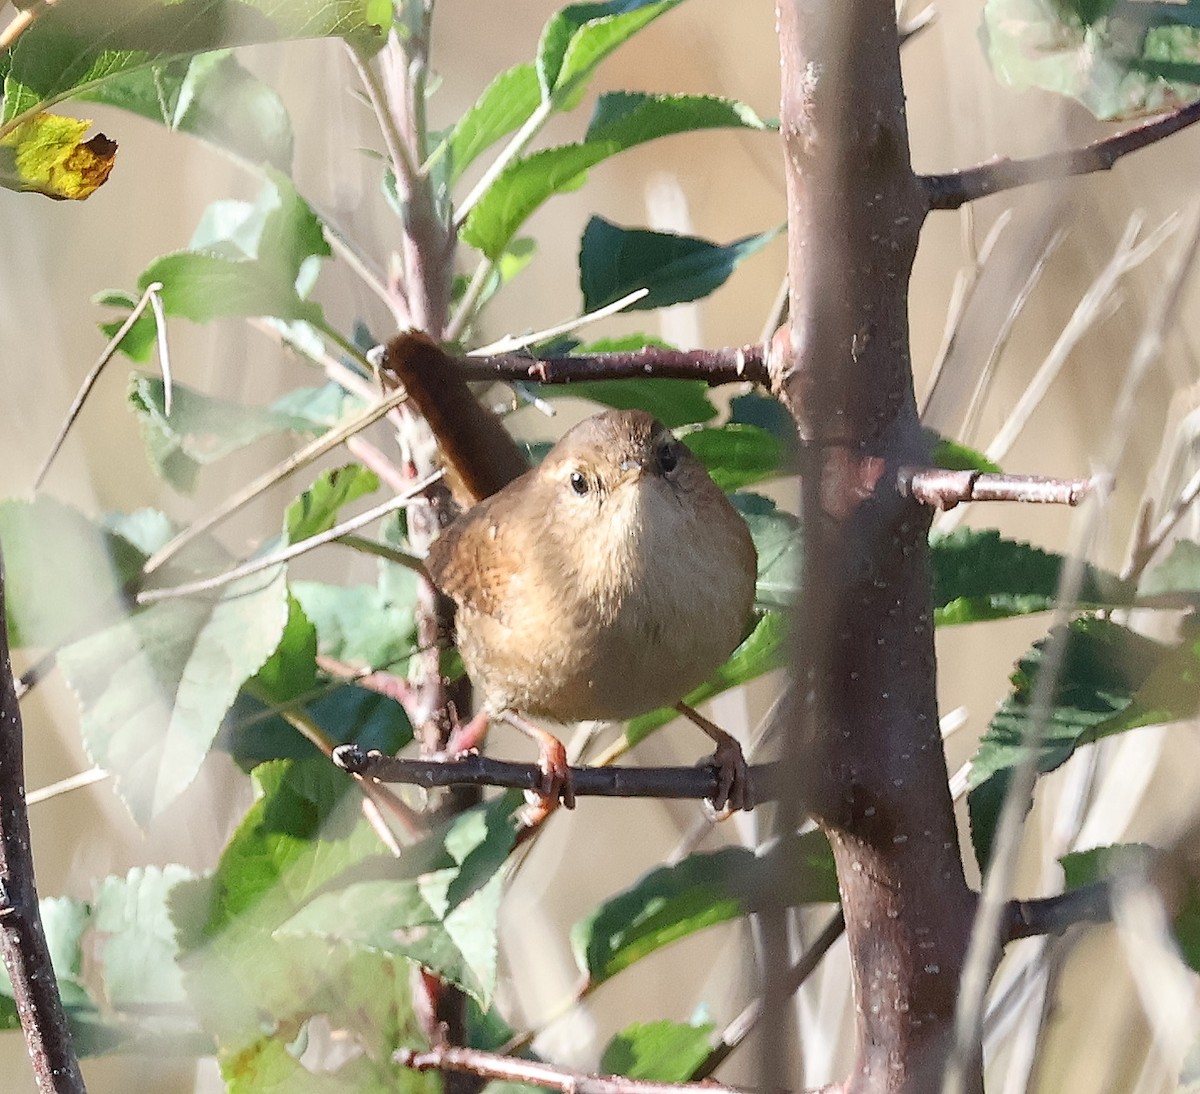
x=615, y=261
x=46, y=154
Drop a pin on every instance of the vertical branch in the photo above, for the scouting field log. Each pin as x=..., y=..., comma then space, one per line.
x=22, y=939
x=874, y=771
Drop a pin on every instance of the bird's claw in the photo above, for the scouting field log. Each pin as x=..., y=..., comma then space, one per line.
x=733, y=791
x=556, y=784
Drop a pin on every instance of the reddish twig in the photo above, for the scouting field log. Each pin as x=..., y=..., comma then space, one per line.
x=944, y=489
x=22, y=938
x=602, y=782
x=714, y=366
x=1056, y=914
x=953, y=190
x=489, y=1065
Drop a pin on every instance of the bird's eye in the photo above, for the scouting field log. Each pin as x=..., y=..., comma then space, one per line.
x=667, y=458
x=579, y=483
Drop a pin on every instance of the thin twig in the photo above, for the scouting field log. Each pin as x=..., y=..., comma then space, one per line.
x=516, y=145
x=470, y=299
x=164, y=353
x=1056, y=914
x=89, y=777
x=89, y=381
x=509, y=343
x=22, y=937
x=1149, y=545
x=952, y=190
x=286, y=554
x=21, y=22
x=306, y=455
x=397, y=149
x=944, y=489
x=609, y=782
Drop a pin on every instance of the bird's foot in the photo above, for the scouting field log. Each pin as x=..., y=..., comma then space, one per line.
x=466, y=737
x=556, y=783
x=733, y=780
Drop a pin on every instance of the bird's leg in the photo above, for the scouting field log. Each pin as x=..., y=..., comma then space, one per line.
x=733, y=776
x=552, y=759
x=467, y=736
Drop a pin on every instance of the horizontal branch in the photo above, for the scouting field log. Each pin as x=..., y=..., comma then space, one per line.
x=490, y=1065
x=953, y=190
x=1055, y=914
x=714, y=366
x=945, y=489
x=603, y=782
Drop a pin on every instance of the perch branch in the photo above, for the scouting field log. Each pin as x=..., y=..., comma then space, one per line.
x=944, y=489
x=608, y=782
x=1056, y=914
x=953, y=190
x=489, y=1065
x=22, y=938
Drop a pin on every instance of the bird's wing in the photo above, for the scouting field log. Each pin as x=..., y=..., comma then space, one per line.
x=472, y=561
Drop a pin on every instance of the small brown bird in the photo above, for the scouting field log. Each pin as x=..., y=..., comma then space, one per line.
x=609, y=581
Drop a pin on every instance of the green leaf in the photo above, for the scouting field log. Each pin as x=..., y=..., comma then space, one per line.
x=153, y=688
x=64, y=575
x=211, y=96
x=615, y=261
x=1178, y=573
x=361, y=624
x=1119, y=60
x=977, y=575
x=201, y=429
x=73, y=46
x=672, y=902
x=1105, y=665
x=632, y=117
x=737, y=455
x=760, y=652
x=505, y=105
x=316, y=510
x=46, y=154
x=444, y=918
x=778, y=539
x=64, y=922
x=525, y=185
x=662, y=1052
x=767, y=413
x=958, y=457
x=576, y=39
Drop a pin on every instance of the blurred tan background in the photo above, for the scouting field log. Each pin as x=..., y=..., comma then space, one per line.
x=53, y=257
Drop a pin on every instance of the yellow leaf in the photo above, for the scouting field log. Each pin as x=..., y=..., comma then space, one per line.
x=47, y=155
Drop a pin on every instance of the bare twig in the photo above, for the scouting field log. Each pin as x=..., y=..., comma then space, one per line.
x=490, y=1065
x=89, y=777
x=22, y=938
x=1148, y=544
x=609, y=782
x=21, y=22
x=952, y=190
x=89, y=381
x=510, y=343
x=1056, y=914
x=944, y=489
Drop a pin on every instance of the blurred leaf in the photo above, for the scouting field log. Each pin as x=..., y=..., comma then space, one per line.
x=1118, y=59
x=316, y=510
x=1082, y=868
x=74, y=45
x=635, y=116
x=523, y=186
x=63, y=574
x=154, y=687
x=977, y=576
x=64, y=921
x=1179, y=572
x=46, y=154
x=576, y=39
x=767, y=413
x=211, y=96
x=760, y=652
x=505, y=105
x=958, y=457
x=201, y=428
x=268, y=1066
x=139, y=341
x=1111, y=680
x=779, y=541
x=736, y=455
x=361, y=624
x=662, y=1052
x=615, y=261
x=672, y=902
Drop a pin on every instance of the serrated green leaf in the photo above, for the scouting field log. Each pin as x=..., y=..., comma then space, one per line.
x=316, y=510
x=46, y=154
x=505, y=105
x=525, y=185
x=615, y=261
x=1130, y=59
x=760, y=652
x=779, y=542
x=153, y=688
x=736, y=455
x=632, y=117
x=978, y=575
x=1104, y=668
x=64, y=575
x=662, y=1052
x=672, y=902
x=74, y=46
x=576, y=39
x=211, y=96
